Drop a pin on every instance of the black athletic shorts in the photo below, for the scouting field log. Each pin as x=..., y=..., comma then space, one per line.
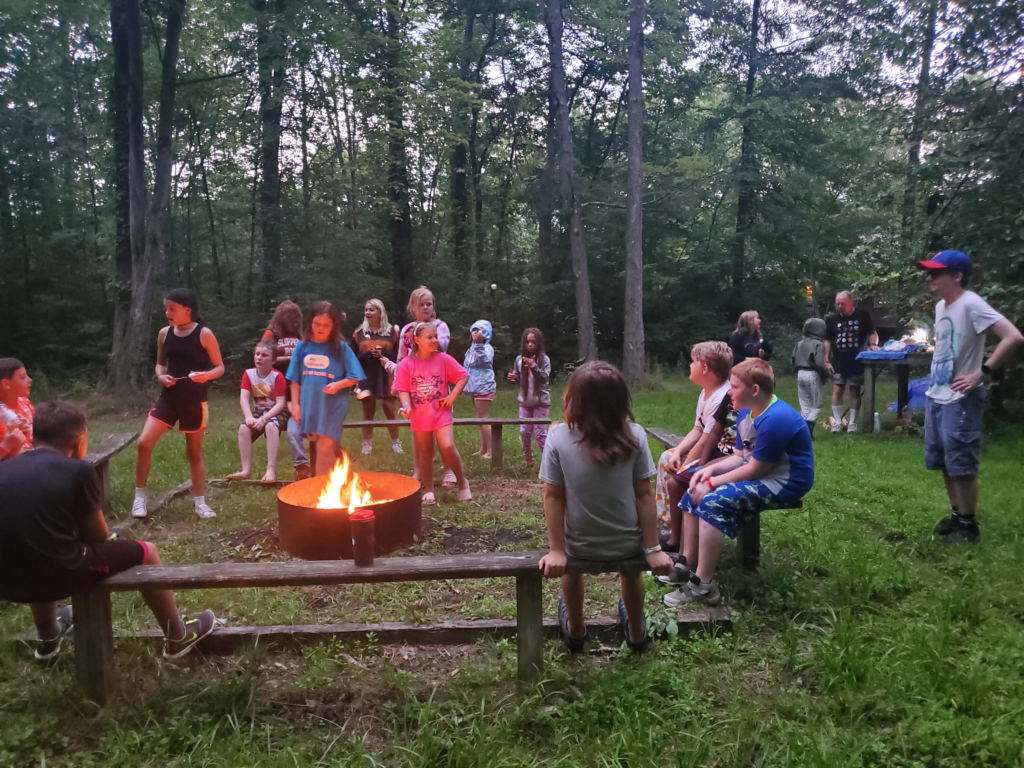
x=39, y=581
x=183, y=405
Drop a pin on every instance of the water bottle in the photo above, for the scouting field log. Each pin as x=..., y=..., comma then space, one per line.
x=878, y=422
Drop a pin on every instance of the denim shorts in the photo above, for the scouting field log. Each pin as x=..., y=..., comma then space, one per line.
x=952, y=434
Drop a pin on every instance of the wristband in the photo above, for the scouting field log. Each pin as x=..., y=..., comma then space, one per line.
x=711, y=485
x=652, y=550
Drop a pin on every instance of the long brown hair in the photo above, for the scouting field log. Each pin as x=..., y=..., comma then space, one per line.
x=334, y=340
x=286, y=321
x=743, y=324
x=524, y=372
x=598, y=405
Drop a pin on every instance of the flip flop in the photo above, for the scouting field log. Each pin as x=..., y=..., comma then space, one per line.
x=465, y=494
x=428, y=498
x=237, y=476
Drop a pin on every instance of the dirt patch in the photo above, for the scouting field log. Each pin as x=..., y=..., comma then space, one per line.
x=462, y=541
x=252, y=543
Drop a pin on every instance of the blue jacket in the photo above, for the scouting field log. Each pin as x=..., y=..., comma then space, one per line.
x=479, y=361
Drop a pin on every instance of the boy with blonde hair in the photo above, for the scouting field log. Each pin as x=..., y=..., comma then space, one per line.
x=709, y=369
x=773, y=468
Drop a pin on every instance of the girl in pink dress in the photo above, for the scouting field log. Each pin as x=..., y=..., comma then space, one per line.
x=424, y=383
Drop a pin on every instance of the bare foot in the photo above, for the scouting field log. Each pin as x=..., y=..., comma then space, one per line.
x=240, y=476
x=529, y=462
x=478, y=453
x=269, y=478
x=485, y=455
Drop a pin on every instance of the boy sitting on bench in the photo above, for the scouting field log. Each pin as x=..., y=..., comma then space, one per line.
x=54, y=541
x=773, y=468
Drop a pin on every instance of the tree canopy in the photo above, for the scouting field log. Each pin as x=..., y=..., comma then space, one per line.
x=349, y=150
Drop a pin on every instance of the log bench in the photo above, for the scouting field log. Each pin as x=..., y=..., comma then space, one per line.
x=94, y=638
x=101, y=455
x=496, y=424
x=748, y=540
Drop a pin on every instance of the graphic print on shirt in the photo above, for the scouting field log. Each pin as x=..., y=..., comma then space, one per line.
x=945, y=352
x=316, y=362
x=426, y=389
x=848, y=334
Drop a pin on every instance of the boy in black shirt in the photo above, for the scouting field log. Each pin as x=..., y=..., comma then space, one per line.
x=54, y=541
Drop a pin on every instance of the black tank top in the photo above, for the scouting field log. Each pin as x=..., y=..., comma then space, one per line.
x=186, y=354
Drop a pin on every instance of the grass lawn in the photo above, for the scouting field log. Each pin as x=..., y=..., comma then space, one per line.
x=860, y=642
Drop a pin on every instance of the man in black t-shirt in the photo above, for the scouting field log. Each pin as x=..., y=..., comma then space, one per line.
x=54, y=541
x=847, y=333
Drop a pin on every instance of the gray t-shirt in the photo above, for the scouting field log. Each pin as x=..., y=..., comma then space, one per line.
x=959, y=343
x=601, y=519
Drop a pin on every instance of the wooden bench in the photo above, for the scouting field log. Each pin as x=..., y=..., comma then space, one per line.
x=94, y=638
x=748, y=540
x=496, y=424
x=101, y=455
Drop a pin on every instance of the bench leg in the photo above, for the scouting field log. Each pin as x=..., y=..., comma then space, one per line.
x=748, y=544
x=497, y=450
x=530, y=628
x=103, y=473
x=94, y=644
x=867, y=402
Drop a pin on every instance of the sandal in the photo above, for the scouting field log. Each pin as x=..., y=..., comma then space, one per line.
x=449, y=481
x=428, y=498
x=465, y=494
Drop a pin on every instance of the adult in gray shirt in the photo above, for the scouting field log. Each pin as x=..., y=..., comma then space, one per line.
x=598, y=498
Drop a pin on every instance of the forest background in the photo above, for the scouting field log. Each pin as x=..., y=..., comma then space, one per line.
x=343, y=150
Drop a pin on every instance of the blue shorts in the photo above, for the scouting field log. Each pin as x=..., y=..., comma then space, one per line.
x=729, y=506
x=952, y=434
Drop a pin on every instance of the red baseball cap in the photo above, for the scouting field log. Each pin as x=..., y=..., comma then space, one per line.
x=957, y=260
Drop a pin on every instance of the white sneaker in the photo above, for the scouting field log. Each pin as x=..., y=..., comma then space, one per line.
x=852, y=427
x=139, y=508
x=703, y=594
x=396, y=446
x=837, y=427
x=367, y=447
x=204, y=511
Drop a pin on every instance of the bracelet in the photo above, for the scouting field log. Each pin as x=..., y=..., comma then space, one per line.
x=652, y=550
x=711, y=485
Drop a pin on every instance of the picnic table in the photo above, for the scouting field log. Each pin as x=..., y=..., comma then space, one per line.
x=873, y=364
x=496, y=424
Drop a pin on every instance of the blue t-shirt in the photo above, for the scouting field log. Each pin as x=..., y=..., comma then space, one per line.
x=313, y=367
x=779, y=436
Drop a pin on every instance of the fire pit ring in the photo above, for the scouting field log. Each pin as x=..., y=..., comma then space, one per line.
x=310, y=533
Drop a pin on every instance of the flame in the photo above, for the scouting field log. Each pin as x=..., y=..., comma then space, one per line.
x=345, y=490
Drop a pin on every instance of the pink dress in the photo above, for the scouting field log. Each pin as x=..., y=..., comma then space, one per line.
x=427, y=382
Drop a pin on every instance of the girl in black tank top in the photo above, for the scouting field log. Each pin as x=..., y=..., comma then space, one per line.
x=186, y=354
x=184, y=365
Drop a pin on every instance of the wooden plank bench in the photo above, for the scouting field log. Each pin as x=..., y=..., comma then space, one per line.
x=748, y=540
x=101, y=455
x=496, y=424
x=94, y=638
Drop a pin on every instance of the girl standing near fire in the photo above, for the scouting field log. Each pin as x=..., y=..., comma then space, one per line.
x=187, y=357
x=322, y=371
x=424, y=383
x=375, y=343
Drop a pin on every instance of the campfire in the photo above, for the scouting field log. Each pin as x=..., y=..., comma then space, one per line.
x=345, y=489
x=314, y=513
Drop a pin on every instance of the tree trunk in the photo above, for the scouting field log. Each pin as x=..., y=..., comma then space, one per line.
x=459, y=159
x=130, y=361
x=633, y=343
x=916, y=134
x=270, y=62
x=745, y=193
x=546, y=201
x=400, y=216
x=586, y=340
x=120, y=29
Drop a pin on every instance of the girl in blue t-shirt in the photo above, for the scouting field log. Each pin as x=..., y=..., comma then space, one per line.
x=321, y=372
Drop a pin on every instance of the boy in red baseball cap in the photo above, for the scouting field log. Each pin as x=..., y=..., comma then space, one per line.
x=956, y=392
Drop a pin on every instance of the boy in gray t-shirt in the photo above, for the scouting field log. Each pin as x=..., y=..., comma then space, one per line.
x=956, y=393
x=598, y=499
